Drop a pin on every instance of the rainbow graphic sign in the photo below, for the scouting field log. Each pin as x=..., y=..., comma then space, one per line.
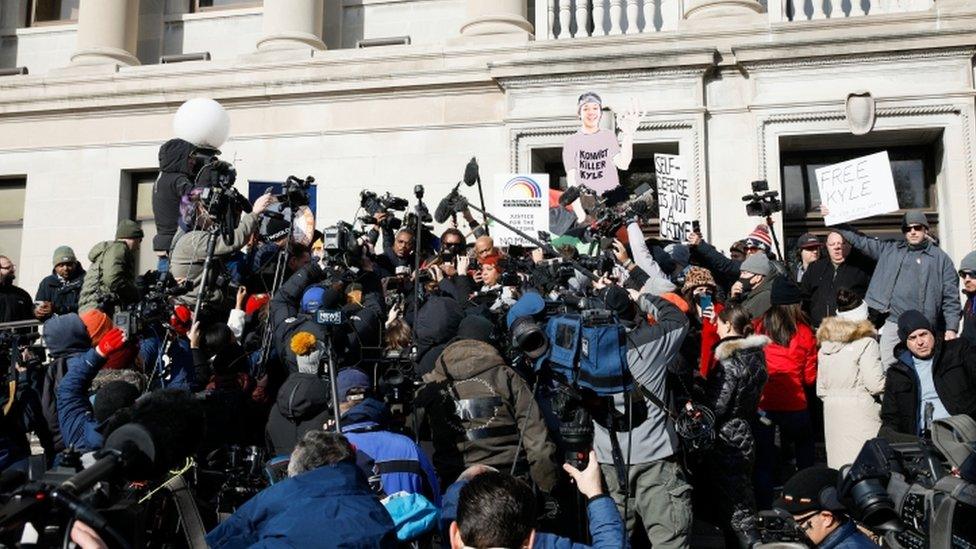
x=522, y=187
x=522, y=201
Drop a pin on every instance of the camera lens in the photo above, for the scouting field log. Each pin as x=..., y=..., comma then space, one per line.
x=875, y=505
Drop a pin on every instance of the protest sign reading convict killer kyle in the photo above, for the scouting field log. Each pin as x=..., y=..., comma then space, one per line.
x=673, y=197
x=522, y=201
x=857, y=188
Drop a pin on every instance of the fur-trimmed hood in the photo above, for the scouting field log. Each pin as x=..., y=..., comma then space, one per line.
x=725, y=348
x=839, y=330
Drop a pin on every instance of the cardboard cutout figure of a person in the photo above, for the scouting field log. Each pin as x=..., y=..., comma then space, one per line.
x=592, y=156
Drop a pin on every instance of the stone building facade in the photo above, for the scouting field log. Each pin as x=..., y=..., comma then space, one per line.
x=387, y=94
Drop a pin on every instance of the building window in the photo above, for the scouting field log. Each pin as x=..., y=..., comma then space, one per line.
x=135, y=202
x=641, y=171
x=49, y=12
x=12, y=191
x=913, y=168
x=206, y=5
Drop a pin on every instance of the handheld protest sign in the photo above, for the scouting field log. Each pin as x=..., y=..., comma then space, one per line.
x=521, y=201
x=674, y=197
x=857, y=188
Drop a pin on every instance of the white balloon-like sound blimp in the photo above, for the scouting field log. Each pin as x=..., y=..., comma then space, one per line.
x=203, y=122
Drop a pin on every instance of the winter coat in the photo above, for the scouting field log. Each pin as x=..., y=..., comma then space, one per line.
x=63, y=294
x=112, y=273
x=190, y=252
x=725, y=270
x=175, y=180
x=822, y=279
x=401, y=464
x=969, y=320
x=954, y=375
x=850, y=377
x=78, y=425
x=475, y=406
x=732, y=391
x=735, y=383
x=791, y=369
x=707, y=336
x=606, y=526
x=302, y=406
x=922, y=279
x=65, y=337
x=329, y=507
x=15, y=304
x=437, y=324
x=286, y=319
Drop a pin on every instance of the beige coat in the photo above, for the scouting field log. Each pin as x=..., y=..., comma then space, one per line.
x=849, y=377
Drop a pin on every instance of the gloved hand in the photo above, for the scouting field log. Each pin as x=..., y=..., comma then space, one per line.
x=111, y=342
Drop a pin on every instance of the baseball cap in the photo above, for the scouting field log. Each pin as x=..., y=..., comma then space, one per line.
x=808, y=240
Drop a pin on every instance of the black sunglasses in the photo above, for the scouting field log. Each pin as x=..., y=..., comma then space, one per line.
x=967, y=274
x=911, y=228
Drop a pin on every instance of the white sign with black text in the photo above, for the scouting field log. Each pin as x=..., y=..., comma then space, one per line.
x=675, y=204
x=857, y=188
x=522, y=201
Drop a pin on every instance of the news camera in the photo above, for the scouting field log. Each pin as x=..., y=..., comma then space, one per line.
x=155, y=305
x=374, y=204
x=762, y=202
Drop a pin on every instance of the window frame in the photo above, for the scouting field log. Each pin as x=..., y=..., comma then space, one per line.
x=32, y=17
x=879, y=225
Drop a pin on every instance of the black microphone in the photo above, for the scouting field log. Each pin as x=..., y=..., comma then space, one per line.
x=448, y=205
x=471, y=174
x=129, y=449
x=569, y=196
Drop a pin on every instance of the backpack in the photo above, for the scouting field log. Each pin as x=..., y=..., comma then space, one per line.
x=590, y=351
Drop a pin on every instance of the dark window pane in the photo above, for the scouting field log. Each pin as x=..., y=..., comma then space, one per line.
x=909, y=176
x=226, y=3
x=794, y=197
x=55, y=10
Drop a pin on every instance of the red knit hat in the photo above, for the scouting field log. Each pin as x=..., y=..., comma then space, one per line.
x=97, y=323
x=760, y=238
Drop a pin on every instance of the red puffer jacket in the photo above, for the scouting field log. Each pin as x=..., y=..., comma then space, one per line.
x=790, y=368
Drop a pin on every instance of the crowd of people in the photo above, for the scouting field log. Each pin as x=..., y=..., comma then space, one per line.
x=455, y=404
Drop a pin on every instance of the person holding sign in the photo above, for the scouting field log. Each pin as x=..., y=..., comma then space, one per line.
x=912, y=274
x=592, y=156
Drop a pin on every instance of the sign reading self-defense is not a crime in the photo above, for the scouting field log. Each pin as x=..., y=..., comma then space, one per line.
x=857, y=188
x=673, y=197
x=522, y=201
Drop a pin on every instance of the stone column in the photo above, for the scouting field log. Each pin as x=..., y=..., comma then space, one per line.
x=292, y=25
x=708, y=9
x=497, y=20
x=107, y=33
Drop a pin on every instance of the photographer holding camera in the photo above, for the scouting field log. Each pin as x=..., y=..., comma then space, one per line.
x=190, y=249
x=811, y=497
x=111, y=278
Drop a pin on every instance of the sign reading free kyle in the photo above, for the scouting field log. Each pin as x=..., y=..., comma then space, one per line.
x=857, y=188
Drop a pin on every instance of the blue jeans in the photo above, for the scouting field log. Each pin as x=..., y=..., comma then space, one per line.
x=796, y=433
x=163, y=264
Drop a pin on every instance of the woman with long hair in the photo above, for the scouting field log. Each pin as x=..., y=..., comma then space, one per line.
x=699, y=292
x=732, y=390
x=791, y=362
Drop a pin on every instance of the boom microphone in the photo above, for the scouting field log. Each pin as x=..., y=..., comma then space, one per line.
x=471, y=174
x=448, y=205
x=569, y=196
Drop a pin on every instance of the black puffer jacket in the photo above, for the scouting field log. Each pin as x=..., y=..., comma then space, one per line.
x=954, y=375
x=736, y=381
x=732, y=391
x=175, y=180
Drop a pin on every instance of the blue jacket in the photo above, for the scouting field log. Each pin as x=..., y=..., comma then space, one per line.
x=402, y=465
x=331, y=506
x=606, y=526
x=78, y=425
x=847, y=537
